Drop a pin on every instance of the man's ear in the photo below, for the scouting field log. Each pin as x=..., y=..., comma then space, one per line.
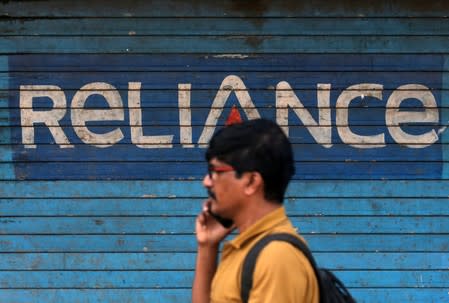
x=254, y=183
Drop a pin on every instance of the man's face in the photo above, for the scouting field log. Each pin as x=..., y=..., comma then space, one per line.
x=224, y=188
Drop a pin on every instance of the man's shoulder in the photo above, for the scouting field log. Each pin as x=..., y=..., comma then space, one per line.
x=281, y=255
x=281, y=252
x=284, y=270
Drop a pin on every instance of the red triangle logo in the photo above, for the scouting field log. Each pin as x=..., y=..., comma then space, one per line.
x=234, y=117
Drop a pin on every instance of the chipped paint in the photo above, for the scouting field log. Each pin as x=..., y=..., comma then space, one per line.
x=231, y=56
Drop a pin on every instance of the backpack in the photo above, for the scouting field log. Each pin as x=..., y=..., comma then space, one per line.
x=331, y=289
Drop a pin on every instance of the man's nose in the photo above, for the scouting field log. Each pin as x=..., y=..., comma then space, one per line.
x=207, y=182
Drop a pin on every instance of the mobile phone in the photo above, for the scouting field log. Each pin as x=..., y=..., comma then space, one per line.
x=227, y=223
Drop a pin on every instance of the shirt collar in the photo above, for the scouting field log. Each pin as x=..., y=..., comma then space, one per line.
x=264, y=224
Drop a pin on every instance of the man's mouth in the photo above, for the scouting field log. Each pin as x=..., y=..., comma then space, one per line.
x=211, y=194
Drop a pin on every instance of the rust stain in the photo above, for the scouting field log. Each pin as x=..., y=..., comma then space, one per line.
x=256, y=8
x=254, y=41
x=99, y=222
x=250, y=8
x=288, y=8
x=259, y=8
x=425, y=6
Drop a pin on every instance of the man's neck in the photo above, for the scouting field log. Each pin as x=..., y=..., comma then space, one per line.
x=253, y=213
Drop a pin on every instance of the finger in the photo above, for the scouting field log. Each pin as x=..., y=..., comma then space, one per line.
x=206, y=205
x=201, y=219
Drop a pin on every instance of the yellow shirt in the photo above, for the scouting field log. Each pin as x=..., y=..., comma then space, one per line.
x=282, y=274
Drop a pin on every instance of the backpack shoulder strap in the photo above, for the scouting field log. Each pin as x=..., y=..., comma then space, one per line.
x=249, y=263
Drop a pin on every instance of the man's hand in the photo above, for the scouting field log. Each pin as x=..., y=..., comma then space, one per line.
x=209, y=232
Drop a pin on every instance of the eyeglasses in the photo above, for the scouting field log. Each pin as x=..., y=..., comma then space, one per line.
x=211, y=169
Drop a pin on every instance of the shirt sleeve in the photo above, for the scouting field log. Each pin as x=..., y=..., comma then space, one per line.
x=283, y=274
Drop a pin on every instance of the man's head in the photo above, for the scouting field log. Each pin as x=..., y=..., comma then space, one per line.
x=256, y=146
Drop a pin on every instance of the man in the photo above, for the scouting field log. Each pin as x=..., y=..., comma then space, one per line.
x=250, y=166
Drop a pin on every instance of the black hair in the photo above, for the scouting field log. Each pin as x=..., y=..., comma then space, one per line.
x=256, y=145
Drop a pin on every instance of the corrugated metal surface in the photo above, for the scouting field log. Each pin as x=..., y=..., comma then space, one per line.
x=91, y=217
